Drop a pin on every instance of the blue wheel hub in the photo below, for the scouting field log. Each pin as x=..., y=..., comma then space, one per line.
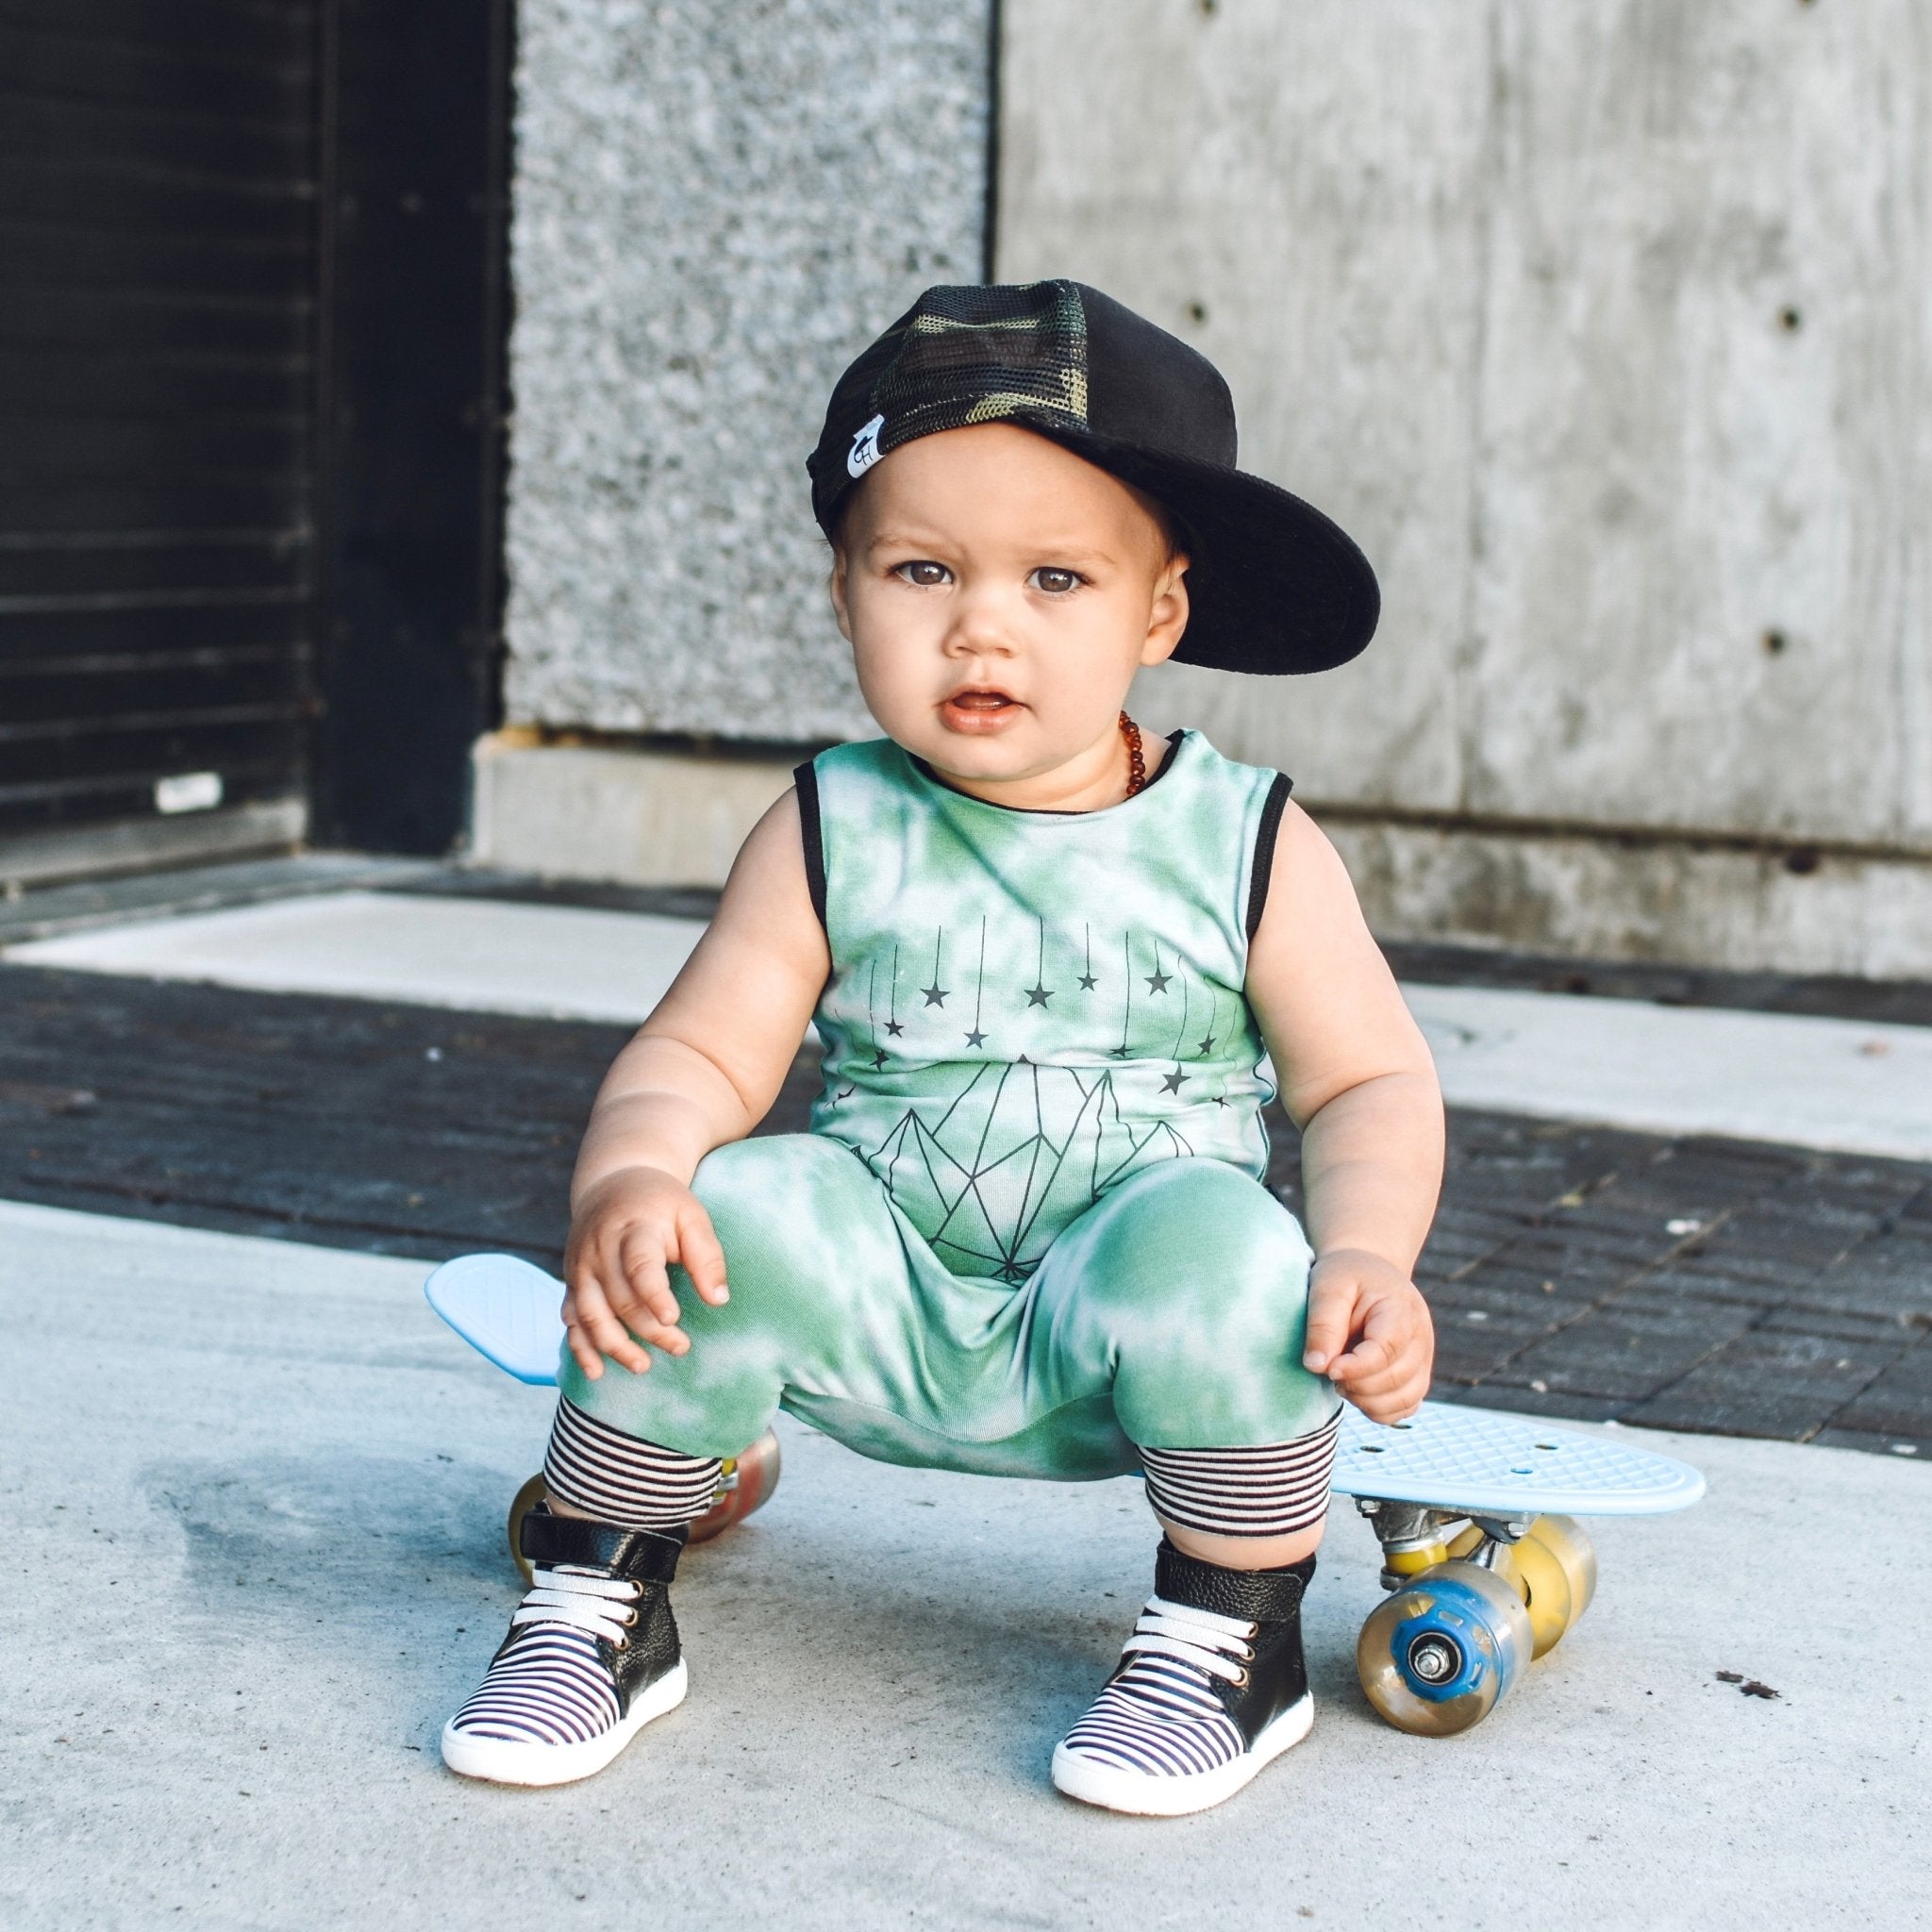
x=1448, y=1650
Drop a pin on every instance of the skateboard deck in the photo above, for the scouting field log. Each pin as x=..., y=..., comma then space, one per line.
x=507, y=1310
x=1476, y=1463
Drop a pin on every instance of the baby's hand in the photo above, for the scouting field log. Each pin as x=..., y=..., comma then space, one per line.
x=1370, y=1333
x=626, y=1233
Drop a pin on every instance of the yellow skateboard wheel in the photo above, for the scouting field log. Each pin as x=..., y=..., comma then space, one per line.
x=1434, y=1658
x=744, y=1484
x=1554, y=1570
x=521, y=1505
x=1545, y=1587
x=1567, y=1540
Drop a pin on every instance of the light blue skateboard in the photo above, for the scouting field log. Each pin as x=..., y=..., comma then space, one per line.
x=1485, y=1561
x=1485, y=1564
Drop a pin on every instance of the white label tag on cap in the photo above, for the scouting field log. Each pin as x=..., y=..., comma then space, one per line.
x=865, y=447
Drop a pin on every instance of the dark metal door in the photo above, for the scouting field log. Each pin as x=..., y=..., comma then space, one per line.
x=157, y=329
x=250, y=378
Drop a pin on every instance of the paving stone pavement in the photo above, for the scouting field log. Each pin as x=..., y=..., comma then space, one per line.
x=1686, y=1284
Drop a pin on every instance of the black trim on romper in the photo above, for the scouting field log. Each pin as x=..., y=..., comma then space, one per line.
x=807, y=779
x=1272, y=808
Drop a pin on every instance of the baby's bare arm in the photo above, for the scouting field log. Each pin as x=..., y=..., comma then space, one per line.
x=1357, y=1077
x=703, y=1068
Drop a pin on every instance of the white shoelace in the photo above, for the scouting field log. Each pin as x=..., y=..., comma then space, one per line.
x=1204, y=1639
x=601, y=1605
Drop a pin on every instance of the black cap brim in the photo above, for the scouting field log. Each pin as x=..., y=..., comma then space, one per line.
x=1275, y=587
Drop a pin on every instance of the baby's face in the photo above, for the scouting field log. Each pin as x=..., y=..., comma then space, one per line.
x=999, y=595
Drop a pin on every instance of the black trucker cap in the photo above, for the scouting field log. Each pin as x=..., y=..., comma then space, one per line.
x=1273, y=585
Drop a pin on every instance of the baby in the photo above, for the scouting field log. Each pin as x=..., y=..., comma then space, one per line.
x=1028, y=1234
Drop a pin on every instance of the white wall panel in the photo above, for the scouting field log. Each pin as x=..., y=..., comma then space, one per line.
x=1704, y=394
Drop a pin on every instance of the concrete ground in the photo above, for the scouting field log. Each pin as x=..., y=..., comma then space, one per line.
x=258, y=1558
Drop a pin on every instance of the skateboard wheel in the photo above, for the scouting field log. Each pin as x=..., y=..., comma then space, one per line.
x=1545, y=1583
x=521, y=1505
x=1567, y=1540
x=1434, y=1658
x=1554, y=1569
x=744, y=1485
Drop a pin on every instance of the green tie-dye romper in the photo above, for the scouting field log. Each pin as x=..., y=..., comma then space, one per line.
x=1028, y=1229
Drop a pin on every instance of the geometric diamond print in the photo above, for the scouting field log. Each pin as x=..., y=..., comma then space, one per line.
x=991, y=1184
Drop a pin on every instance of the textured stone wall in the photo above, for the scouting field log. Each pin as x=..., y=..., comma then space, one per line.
x=717, y=203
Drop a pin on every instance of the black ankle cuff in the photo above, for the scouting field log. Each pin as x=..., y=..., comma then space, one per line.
x=644, y=1555
x=1256, y=1596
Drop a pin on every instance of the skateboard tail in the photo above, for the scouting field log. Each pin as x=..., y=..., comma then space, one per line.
x=507, y=1309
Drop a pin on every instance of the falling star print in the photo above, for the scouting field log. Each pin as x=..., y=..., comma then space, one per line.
x=1039, y=993
x=1173, y=1082
x=975, y=1037
x=936, y=993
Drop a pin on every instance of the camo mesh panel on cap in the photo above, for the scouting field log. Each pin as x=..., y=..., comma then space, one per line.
x=982, y=356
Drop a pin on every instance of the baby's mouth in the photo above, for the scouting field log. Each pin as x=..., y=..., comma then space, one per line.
x=980, y=710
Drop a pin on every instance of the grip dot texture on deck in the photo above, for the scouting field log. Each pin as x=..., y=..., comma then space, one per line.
x=1472, y=1458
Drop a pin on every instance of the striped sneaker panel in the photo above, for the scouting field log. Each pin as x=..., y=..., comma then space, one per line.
x=618, y=1479
x=547, y=1685
x=1276, y=1488
x=1159, y=1718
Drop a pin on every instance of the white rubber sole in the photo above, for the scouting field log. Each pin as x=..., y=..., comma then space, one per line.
x=503, y=1762
x=1148, y=1795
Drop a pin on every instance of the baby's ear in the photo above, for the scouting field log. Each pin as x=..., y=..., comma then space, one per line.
x=834, y=590
x=1168, y=620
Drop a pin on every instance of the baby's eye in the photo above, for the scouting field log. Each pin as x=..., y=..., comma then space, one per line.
x=922, y=571
x=1055, y=583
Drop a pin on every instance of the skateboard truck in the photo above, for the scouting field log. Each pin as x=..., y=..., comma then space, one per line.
x=1415, y=1539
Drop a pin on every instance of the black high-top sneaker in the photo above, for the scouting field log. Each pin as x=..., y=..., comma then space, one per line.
x=591, y=1659
x=1210, y=1687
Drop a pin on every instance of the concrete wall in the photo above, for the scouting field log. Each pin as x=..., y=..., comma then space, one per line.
x=715, y=207
x=1605, y=327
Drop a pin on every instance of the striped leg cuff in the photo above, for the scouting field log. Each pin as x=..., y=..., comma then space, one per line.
x=1277, y=1489
x=618, y=1479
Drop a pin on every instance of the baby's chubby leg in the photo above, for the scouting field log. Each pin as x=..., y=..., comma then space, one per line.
x=1188, y=1282
x=1188, y=1285
x=816, y=1270
x=593, y=1652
